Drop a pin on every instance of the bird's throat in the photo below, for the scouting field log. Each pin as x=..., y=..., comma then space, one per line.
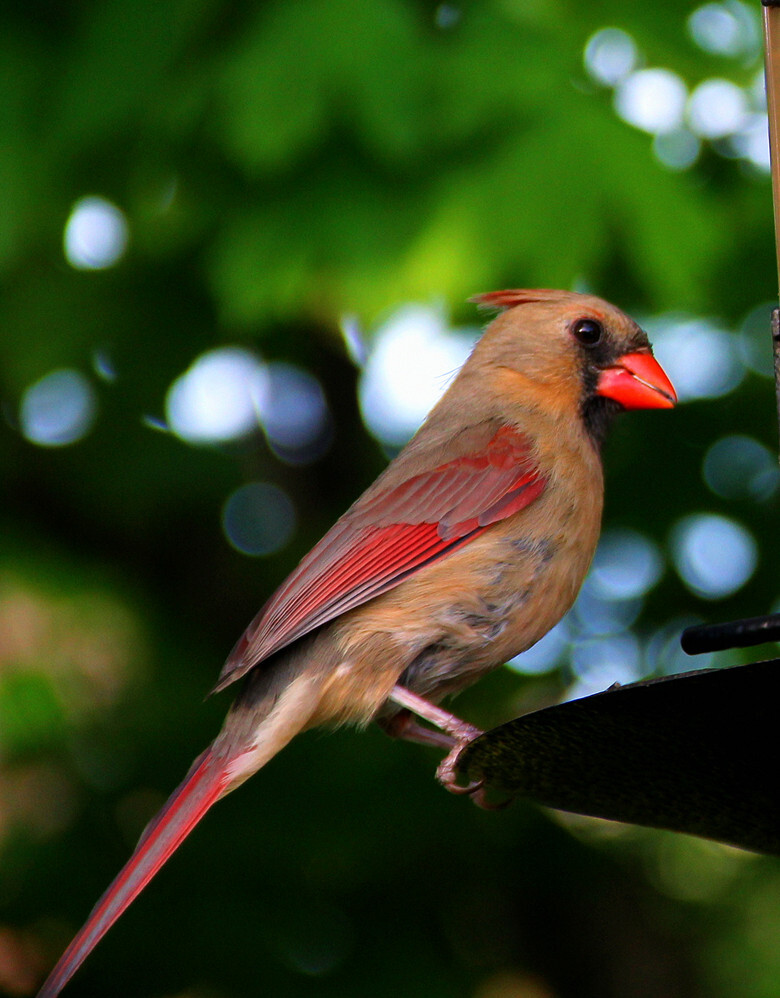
x=598, y=414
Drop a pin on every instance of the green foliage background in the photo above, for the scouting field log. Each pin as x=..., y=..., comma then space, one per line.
x=280, y=165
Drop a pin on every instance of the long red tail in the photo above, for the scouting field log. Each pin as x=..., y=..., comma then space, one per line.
x=202, y=787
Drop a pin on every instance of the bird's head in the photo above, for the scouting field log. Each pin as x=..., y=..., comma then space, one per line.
x=573, y=352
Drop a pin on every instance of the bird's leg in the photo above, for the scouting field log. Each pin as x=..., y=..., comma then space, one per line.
x=404, y=725
x=453, y=734
x=460, y=730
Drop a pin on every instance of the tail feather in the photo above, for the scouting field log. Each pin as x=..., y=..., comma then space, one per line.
x=205, y=783
x=271, y=709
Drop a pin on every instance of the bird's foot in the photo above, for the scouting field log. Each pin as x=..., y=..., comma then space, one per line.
x=476, y=789
x=447, y=772
x=453, y=734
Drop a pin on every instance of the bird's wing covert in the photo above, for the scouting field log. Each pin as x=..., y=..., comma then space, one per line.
x=388, y=535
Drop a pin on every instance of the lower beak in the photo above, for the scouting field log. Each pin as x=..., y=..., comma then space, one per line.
x=637, y=381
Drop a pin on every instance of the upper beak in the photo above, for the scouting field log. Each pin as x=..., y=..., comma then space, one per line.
x=637, y=381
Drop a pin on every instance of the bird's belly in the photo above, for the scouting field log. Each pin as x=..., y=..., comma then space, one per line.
x=471, y=636
x=479, y=635
x=530, y=586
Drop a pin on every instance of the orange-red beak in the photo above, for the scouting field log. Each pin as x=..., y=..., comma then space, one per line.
x=637, y=381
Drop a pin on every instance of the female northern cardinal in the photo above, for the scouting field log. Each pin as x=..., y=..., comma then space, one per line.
x=465, y=551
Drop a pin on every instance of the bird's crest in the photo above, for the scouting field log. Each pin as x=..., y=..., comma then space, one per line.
x=509, y=298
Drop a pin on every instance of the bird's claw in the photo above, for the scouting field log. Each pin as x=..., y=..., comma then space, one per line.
x=446, y=773
x=476, y=789
x=480, y=798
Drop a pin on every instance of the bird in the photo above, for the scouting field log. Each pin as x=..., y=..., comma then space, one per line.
x=466, y=550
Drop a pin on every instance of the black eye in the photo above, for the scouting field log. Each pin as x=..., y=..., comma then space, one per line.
x=587, y=331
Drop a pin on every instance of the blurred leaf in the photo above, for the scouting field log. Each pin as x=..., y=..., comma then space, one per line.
x=29, y=713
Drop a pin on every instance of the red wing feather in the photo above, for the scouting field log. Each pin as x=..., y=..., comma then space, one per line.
x=381, y=540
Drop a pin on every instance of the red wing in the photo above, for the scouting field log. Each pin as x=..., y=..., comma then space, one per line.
x=383, y=539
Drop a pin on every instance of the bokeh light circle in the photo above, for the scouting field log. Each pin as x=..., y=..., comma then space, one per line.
x=219, y=397
x=294, y=413
x=714, y=555
x=739, y=467
x=652, y=99
x=258, y=518
x=627, y=564
x=610, y=55
x=58, y=409
x=96, y=234
x=701, y=360
x=717, y=108
x=412, y=360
